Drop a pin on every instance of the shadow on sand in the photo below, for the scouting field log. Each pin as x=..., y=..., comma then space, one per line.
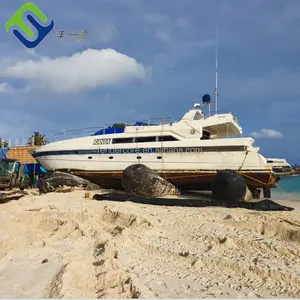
x=197, y=200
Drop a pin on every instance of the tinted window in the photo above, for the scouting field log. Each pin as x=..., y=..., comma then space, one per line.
x=145, y=139
x=122, y=140
x=205, y=135
x=167, y=138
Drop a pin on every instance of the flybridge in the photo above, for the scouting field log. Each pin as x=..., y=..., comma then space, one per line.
x=110, y=128
x=215, y=123
x=116, y=129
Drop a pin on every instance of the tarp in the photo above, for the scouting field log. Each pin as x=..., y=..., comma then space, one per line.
x=141, y=124
x=110, y=130
x=34, y=169
x=3, y=153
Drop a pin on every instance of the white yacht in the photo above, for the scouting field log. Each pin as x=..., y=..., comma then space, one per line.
x=279, y=165
x=187, y=153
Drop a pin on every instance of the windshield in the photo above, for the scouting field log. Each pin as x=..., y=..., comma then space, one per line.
x=6, y=168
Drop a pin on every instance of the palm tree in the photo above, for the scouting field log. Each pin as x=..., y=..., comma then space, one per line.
x=119, y=125
x=3, y=144
x=37, y=139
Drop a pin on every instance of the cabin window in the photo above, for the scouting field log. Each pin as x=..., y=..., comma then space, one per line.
x=167, y=138
x=146, y=139
x=205, y=135
x=122, y=141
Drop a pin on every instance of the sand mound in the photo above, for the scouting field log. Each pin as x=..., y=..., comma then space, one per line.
x=63, y=246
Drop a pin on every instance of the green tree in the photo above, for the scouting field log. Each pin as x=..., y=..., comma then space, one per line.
x=3, y=143
x=119, y=125
x=37, y=139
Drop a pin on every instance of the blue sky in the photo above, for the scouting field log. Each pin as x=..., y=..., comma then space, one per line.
x=165, y=52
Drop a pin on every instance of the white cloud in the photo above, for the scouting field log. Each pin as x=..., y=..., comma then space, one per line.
x=267, y=134
x=155, y=18
x=85, y=70
x=201, y=44
x=31, y=52
x=172, y=40
x=164, y=37
x=104, y=33
x=4, y=87
x=183, y=23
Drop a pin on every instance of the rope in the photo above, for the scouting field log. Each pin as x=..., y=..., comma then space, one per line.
x=277, y=185
x=192, y=127
x=269, y=182
x=262, y=163
x=187, y=176
x=254, y=179
x=243, y=161
x=202, y=175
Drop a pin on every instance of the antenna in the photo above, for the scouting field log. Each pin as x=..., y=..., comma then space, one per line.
x=82, y=35
x=61, y=34
x=217, y=65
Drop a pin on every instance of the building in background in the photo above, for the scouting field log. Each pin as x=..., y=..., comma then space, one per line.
x=22, y=154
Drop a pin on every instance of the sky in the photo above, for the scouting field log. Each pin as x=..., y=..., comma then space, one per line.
x=149, y=59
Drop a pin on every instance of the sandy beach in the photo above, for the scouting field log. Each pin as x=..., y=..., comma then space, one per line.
x=65, y=246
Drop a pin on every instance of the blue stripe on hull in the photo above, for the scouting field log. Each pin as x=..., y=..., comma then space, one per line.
x=142, y=150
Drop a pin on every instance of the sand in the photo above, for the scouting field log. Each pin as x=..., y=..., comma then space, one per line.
x=65, y=246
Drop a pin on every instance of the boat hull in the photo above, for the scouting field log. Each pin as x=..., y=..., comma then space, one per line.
x=191, y=180
x=193, y=171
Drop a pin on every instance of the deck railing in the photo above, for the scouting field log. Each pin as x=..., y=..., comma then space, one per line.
x=220, y=112
x=88, y=131
x=76, y=133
